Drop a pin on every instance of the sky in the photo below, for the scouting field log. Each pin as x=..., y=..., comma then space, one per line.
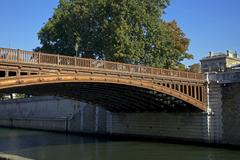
x=211, y=25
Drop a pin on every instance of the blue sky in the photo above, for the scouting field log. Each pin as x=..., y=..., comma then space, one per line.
x=212, y=25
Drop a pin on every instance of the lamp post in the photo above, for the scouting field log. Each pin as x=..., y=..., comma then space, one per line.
x=76, y=49
x=77, y=46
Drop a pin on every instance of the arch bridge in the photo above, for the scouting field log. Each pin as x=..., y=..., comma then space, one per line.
x=118, y=87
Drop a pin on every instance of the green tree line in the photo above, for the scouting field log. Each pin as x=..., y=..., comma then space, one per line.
x=129, y=31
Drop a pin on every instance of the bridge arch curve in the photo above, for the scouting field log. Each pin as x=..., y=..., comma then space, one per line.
x=13, y=83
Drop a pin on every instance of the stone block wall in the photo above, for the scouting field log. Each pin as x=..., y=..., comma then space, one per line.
x=215, y=125
x=231, y=113
x=54, y=113
x=41, y=124
x=185, y=126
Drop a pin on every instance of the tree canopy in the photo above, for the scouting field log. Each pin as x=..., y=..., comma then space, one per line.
x=195, y=68
x=130, y=31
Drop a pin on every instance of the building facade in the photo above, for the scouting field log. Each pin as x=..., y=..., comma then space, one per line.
x=219, y=62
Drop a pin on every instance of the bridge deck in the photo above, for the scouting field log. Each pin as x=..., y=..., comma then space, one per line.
x=20, y=56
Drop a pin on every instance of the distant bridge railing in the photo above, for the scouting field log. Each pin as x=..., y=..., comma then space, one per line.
x=20, y=56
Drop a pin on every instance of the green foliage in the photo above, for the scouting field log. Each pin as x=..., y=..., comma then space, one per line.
x=195, y=68
x=128, y=31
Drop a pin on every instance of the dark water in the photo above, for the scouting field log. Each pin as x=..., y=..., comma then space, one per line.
x=55, y=146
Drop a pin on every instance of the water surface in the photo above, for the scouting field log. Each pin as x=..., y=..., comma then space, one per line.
x=48, y=146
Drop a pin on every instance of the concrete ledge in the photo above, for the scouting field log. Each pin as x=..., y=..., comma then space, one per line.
x=4, y=156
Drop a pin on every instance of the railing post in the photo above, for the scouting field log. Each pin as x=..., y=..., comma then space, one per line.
x=75, y=61
x=203, y=93
x=18, y=73
x=90, y=63
x=6, y=73
x=58, y=59
x=104, y=64
x=199, y=93
x=168, y=72
x=189, y=90
x=195, y=91
x=18, y=59
x=39, y=58
x=116, y=66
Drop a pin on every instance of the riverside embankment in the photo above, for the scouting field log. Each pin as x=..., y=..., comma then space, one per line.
x=219, y=125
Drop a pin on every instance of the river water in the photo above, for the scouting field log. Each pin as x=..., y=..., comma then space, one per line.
x=55, y=146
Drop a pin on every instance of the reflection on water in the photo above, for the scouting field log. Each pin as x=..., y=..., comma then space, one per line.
x=49, y=146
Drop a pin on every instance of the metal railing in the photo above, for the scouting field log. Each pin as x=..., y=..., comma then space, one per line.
x=16, y=55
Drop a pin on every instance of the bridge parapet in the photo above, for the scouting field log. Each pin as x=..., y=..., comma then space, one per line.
x=20, y=56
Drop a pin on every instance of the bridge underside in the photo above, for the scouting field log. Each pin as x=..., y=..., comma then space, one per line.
x=113, y=97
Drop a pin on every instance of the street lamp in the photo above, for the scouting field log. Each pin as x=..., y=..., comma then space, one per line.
x=77, y=46
x=76, y=49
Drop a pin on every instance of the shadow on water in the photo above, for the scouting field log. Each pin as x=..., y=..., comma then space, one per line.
x=45, y=145
x=29, y=139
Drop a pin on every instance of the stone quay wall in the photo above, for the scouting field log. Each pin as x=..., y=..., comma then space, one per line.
x=65, y=115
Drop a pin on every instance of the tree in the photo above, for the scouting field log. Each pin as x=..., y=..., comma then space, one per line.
x=130, y=31
x=195, y=68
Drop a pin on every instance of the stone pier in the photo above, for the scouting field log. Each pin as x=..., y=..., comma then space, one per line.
x=224, y=108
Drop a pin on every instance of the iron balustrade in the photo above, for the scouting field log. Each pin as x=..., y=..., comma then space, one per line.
x=21, y=56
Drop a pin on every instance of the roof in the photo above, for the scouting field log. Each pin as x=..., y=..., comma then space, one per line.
x=219, y=56
x=214, y=57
